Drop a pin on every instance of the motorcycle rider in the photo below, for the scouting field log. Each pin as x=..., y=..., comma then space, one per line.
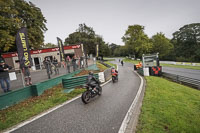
x=92, y=81
x=114, y=72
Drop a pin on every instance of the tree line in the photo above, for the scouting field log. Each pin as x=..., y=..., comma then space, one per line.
x=184, y=46
x=14, y=14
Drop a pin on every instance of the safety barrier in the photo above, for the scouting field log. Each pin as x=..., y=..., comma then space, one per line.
x=195, y=83
x=105, y=64
x=73, y=82
x=140, y=71
x=16, y=96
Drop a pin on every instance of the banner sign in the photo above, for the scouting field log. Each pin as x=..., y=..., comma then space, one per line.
x=14, y=54
x=23, y=48
x=61, y=49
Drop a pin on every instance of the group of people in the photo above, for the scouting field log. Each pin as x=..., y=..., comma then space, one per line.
x=48, y=64
x=4, y=71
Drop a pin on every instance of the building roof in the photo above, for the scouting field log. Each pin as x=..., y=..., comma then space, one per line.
x=14, y=54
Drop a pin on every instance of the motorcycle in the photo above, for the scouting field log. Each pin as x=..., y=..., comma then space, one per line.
x=90, y=93
x=114, y=78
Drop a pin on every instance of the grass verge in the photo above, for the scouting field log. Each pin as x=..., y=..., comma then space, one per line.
x=111, y=64
x=131, y=61
x=35, y=105
x=169, y=107
x=101, y=67
x=182, y=66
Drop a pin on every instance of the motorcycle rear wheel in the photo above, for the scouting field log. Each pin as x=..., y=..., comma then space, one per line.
x=86, y=97
x=113, y=79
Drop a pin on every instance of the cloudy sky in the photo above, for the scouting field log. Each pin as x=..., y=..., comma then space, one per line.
x=110, y=18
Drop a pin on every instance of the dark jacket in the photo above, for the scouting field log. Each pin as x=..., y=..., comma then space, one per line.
x=4, y=73
x=91, y=80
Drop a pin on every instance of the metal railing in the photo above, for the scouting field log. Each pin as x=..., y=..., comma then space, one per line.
x=195, y=83
x=105, y=64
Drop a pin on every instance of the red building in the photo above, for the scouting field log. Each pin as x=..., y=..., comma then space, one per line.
x=38, y=56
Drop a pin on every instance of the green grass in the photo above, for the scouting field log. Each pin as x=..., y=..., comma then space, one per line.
x=111, y=64
x=101, y=66
x=33, y=106
x=131, y=61
x=169, y=107
x=108, y=59
x=182, y=66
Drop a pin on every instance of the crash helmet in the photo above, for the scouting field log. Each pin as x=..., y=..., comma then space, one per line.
x=91, y=73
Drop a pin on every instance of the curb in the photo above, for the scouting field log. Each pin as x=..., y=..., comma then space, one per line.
x=130, y=121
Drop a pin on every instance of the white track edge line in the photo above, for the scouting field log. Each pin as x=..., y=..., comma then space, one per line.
x=129, y=113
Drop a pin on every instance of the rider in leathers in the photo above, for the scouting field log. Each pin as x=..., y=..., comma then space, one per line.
x=92, y=81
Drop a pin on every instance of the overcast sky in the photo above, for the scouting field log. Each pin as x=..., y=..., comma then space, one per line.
x=110, y=18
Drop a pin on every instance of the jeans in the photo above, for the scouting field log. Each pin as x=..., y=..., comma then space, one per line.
x=2, y=80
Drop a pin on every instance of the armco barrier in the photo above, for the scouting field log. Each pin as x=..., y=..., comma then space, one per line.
x=13, y=97
x=140, y=71
x=16, y=96
x=195, y=83
x=72, y=82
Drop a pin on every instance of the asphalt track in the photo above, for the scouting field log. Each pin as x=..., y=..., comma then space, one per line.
x=195, y=74
x=104, y=114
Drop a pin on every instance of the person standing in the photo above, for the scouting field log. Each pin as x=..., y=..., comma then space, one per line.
x=27, y=75
x=74, y=63
x=68, y=60
x=55, y=64
x=122, y=62
x=47, y=64
x=4, y=76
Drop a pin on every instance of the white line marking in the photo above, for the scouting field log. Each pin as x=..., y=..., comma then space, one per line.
x=45, y=113
x=129, y=113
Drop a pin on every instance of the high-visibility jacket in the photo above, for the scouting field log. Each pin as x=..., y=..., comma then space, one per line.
x=113, y=72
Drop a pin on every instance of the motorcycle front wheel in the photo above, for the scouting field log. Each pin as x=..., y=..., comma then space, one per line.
x=99, y=91
x=86, y=97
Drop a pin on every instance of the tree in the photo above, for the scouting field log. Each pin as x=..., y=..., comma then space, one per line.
x=49, y=45
x=136, y=41
x=112, y=47
x=120, y=51
x=15, y=14
x=187, y=42
x=85, y=35
x=161, y=44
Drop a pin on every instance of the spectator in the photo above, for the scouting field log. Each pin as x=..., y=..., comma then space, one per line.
x=74, y=63
x=1, y=58
x=4, y=76
x=27, y=75
x=55, y=61
x=68, y=60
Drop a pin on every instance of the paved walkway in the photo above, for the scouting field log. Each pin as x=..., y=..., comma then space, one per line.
x=38, y=76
